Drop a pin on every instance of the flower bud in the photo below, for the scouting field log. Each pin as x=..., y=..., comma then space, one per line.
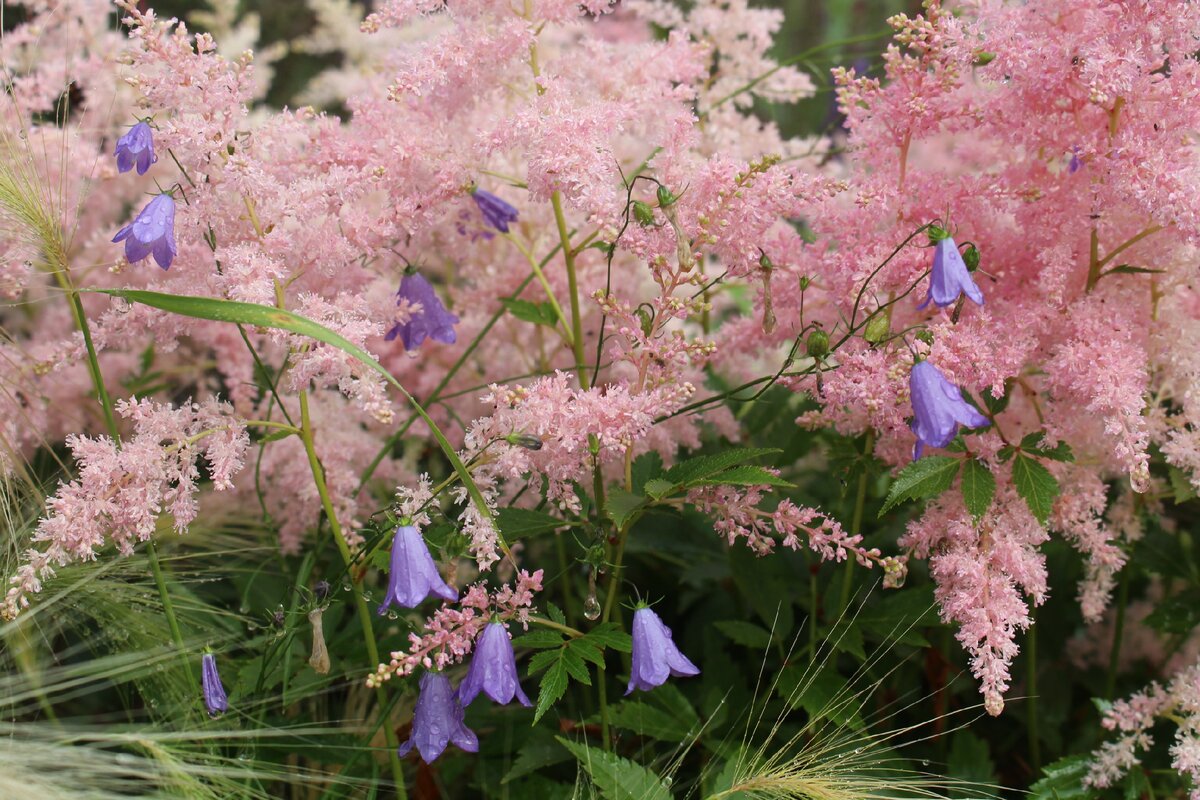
x=764, y=261
x=817, y=344
x=643, y=214
x=936, y=234
x=926, y=337
x=983, y=58
x=319, y=660
x=665, y=197
x=647, y=319
x=878, y=327
x=528, y=441
x=971, y=258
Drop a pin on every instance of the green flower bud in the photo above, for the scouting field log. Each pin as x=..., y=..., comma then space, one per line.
x=525, y=440
x=971, y=258
x=983, y=58
x=764, y=261
x=647, y=320
x=936, y=234
x=817, y=344
x=643, y=214
x=665, y=197
x=878, y=327
x=926, y=337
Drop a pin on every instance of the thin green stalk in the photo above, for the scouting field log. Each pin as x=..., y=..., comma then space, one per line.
x=560, y=220
x=1114, y=656
x=364, y=613
x=860, y=501
x=602, y=690
x=1031, y=713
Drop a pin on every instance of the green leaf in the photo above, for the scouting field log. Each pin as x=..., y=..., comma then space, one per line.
x=573, y=662
x=695, y=469
x=541, y=660
x=539, y=639
x=555, y=613
x=746, y=634
x=971, y=763
x=614, y=777
x=658, y=488
x=268, y=317
x=1176, y=615
x=540, y=750
x=622, y=505
x=553, y=685
x=646, y=720
x=924, y=478
x=1064, y=780
x=823, y=695
x=994, y=404
x=517, y=523
x=1181, y=484
x=745, y=475
x=528, y=311
x=646, y=466
x=609, y=634
x=1035, y=483
x=978, y=487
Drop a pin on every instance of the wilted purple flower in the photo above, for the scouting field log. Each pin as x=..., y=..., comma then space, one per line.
x=938, y=408
x=210, y=682
x=655, y=656
x=949, y=277
x=433, y=321
x=438, y=721
x=496, y=212
x=414, y=576
x=152, y=232
x=493, y=669
x=136, y=148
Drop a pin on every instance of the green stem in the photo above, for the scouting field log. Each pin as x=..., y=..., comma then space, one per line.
x=364, y=613
x=860, y=501
x=1032, y=713
x=1114, y=655
x=602, y=690
x=564, y=236
x=168, y=607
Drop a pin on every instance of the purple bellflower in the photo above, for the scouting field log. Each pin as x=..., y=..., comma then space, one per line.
x=655, y=656
x=938, y=408
x=496, y=212
x=1075, y=163
x=414, y=576
x=433, y=321
x=210, y=682
x=493, y=669
x=949, y=278
x=136, y=148
x=152, y=232
x=438, y=721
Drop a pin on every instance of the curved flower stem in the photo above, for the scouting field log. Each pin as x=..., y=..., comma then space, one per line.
x=566, y=333
x=560, y=220
x=554, y=626
x=364, y=613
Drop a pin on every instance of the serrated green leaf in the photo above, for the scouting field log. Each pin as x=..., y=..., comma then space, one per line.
x=924, y=478
x=555, y=613
x=540, y=750
x=746, y=634
x=553, y=686
x=1181, y=484
x=614, y=777
x=516, y=523
x=745, y=475
x=646, y=466
x=541, y=660
x=658, y=488
x=622, y=506
x=647, y=720
x=1036, y=485
x=573, y=662
x=539, y=639
x=590, y=651
x=275, y=436
x=978, y=487
x=528, y=311
x=995, y=404
x=609, y=634
x=1060, y=452
x=694, y=469
x=1063, y=780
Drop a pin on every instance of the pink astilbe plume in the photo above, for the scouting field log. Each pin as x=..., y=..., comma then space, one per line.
x=123, y=488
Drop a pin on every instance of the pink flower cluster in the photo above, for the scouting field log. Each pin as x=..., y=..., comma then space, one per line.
x=124, y=486
x=449, y=635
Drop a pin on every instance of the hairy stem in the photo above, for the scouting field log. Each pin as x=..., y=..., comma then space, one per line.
x=364, y=613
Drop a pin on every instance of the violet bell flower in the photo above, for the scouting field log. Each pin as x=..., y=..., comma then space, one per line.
x=493, y=669
x=432, y=321
x=152, y=232
x=655, y=656
x=949, y=277
x=210, y=683
x=938, y=408
x=414, y=575
x=136, y=148
x=438, y=721
x=496, y=212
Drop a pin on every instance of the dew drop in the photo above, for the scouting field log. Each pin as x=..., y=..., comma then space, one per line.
x=345, y=586
x=591, y=607
x=392, y=615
